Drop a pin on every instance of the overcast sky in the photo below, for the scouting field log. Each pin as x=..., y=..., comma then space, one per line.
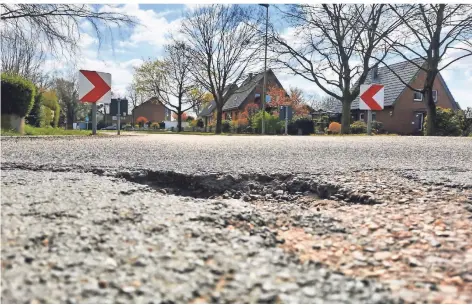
x=147, y=41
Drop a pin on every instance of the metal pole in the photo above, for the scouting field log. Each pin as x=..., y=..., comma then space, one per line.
x=369, y=122
x=286, y=120
x=369, y=112
x=265, y=71
x=94, y=119
x=119, y=117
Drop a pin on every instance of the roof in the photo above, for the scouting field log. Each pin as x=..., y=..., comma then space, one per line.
x=406, y=70
x=153, y=100
x=241, y=93
x=455, y=104
x=208, y=109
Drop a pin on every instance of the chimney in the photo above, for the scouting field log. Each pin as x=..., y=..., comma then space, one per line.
x=375, y=73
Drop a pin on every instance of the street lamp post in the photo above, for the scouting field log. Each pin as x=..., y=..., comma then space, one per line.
x=264, y=87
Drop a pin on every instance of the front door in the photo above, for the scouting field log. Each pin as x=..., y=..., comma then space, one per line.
x=419, y=120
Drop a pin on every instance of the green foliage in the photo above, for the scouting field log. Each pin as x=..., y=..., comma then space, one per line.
x=226, y=126
x=49, y=131
x=377, y=127
x=448, y=122
x=33, y=117
x=272, y=123
x=46, y=117
x=306, y=125
x=358, y=127
x=17, y=95
x=466, y=121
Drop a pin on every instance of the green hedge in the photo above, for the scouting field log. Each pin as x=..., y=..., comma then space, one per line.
x=448, y=122
x=45, y=111
x=272, y=123
x=17, y=95
x=358, y=127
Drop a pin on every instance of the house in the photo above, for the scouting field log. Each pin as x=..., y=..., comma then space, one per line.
x=153, y=110
x=250, y=91
x=404, y=109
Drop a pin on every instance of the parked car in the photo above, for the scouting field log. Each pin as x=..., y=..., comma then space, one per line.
x=109, y=128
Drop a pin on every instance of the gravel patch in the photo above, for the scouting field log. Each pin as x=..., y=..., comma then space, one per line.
x=92, y=239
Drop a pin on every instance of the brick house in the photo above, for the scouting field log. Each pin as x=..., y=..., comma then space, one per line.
x=250, y=91
x=404, y=110
x=153, y=110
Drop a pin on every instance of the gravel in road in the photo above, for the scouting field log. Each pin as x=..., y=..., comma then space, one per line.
x=93, y=239
x=393, y=223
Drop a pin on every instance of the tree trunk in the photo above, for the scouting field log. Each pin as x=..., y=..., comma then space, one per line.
x=431, y=111
x=219, y=119
x=346, y=117
x=179, y=121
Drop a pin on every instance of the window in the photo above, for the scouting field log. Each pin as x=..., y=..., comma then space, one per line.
x=374, y=116
x=435, y=96
x=361, y=116
x=417, y=96
x=235, y=115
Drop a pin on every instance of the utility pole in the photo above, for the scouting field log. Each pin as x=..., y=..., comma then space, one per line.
x=265, y=69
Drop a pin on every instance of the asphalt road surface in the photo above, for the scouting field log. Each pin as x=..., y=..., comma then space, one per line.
x=181, y=218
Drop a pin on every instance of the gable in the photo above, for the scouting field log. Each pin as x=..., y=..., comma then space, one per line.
x=394, y=87
x=241, y=94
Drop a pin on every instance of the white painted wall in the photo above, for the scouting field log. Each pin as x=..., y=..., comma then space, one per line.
x=170, y=124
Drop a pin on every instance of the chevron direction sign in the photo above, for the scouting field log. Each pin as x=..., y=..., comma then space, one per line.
x=94, y=87
x=371, y=97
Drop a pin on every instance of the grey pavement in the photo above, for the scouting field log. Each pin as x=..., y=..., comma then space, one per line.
x=69, y=235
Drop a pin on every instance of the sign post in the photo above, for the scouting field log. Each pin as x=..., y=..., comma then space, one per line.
x=371, y=98
x=119, y=118
x=94, y=87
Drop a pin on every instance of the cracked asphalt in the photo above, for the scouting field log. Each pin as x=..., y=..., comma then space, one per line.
x=72, y=236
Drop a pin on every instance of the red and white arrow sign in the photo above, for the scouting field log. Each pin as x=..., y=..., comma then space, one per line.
x=94, y=87
x=371, y=97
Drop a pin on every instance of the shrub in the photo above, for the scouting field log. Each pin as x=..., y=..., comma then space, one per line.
x=272, y=123
x=155, y=125
x=17, y=95
x=50, y=109
x=200, y=123
x=306, y=125
x=141, y=120
x=226, y=126
x=377, y=127
x=33, y=117
x=334, y=127
x=358, y=127
x=448, y=122
x=162, y=125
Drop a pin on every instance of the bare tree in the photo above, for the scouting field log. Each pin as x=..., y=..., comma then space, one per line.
x=68, y=96
x=325, y=103
x=135, y=98
x=433, y=37
x=170, y=80
x=21, y=55
x=56, y=26
x=333, y=46
x=222, y=46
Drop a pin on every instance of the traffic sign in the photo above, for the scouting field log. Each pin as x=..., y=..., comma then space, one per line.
x=371, y=97
x=94, y=87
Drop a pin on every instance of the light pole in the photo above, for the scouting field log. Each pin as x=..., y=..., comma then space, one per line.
x=265, y=69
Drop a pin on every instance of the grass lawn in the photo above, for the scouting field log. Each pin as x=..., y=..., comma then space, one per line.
x=47, y=131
